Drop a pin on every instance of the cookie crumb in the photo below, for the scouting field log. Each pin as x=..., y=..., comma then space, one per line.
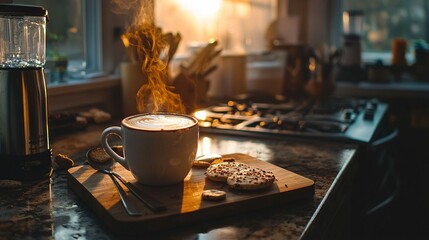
x=63, y=162
x=210, y=157
x=213, y=194
x=228, y=159
x=200, y=164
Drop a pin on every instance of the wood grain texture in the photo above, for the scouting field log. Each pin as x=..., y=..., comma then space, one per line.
x=183, y=200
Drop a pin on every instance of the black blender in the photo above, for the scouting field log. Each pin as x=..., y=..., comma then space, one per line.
x=25, y=152
x=351, y=69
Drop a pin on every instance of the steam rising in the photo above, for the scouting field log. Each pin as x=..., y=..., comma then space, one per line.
x=146, y=40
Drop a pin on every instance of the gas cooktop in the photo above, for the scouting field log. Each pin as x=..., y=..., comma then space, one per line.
x=354, y=120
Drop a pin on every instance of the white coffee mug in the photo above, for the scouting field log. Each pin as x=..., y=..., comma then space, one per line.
x=159, y=148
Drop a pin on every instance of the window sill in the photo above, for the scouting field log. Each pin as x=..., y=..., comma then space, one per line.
x=410, y=91
x=102, y=92
x=74, y=86
x=384, y=57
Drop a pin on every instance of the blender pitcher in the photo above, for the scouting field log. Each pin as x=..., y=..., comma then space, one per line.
x=24, y=138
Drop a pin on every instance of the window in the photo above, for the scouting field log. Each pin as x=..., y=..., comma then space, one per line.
x=231, y=22
x=385, y=20
x=72, y=38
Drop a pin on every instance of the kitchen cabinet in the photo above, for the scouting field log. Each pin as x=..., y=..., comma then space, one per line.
x=409, y=113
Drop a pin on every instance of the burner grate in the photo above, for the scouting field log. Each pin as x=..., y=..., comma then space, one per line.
x=333, y=118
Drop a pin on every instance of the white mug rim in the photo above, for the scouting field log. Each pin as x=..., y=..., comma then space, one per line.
x=128, y=126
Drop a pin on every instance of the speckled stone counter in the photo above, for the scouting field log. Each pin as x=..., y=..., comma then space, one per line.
x=49, y=209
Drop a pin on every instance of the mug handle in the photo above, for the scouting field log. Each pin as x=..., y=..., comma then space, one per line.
x=105, y=144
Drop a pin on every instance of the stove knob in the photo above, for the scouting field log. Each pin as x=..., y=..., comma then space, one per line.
x=374, y=103
x=369, y=115
x=348, y=114
x=369, y=107
x=357, y=109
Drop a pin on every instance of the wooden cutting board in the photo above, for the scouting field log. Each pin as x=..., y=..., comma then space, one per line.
x=184, y=203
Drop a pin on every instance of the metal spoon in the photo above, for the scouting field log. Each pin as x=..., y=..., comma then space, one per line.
x=129, y=205
x=106, y=168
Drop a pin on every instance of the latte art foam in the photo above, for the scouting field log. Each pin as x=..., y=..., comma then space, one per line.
x=158, y=122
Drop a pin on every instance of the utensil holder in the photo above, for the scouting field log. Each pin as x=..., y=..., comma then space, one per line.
x=132, y=78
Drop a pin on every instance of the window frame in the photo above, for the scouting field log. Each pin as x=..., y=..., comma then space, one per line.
x=87, y=92
x=93, y=36
x=92, y=31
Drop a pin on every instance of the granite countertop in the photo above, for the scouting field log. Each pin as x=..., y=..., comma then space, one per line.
x=49, y=209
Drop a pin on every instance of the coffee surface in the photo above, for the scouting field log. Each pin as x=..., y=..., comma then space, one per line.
x=157, y=122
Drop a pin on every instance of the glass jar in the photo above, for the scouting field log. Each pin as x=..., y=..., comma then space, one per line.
x=353, y=22
x=23, y=38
